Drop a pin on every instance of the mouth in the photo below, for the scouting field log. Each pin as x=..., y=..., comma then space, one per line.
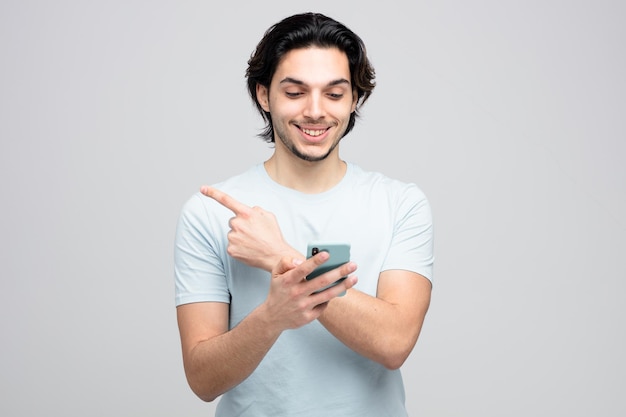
x=313, y=132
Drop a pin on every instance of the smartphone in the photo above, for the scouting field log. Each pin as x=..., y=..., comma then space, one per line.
x=339, y=255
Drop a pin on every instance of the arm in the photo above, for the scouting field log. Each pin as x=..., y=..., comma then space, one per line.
x=217, y=359
x=384, y=328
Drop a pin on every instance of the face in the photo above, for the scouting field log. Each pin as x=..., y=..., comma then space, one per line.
x=310, y=100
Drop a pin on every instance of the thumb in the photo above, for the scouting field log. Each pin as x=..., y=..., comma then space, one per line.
x=286, y=264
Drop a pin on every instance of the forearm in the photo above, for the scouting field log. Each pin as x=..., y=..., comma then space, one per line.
x=366, y=325
x=218, y=364
x=380, y=330
x=217, y=359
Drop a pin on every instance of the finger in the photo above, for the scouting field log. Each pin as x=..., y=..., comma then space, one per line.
x=299, y=268
x=285, y=265
x=314, y=261
x=225, y=200
x=334, y=277
x=337, y=290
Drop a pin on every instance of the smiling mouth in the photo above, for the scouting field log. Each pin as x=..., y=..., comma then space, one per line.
x=314, y=132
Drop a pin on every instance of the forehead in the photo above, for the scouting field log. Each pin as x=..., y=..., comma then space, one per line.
x=313, y=66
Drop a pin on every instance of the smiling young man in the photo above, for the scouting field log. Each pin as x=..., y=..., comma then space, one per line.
x=253, y=329
x=310, y=100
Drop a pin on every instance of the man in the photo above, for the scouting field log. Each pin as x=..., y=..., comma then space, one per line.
x=253, y=329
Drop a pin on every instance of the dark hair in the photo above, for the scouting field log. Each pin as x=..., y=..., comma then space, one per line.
x=303, y=31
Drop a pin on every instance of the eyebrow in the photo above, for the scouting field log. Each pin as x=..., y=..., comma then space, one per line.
x=289, y=80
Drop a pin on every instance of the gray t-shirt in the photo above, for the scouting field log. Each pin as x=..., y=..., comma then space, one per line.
x=308, y=372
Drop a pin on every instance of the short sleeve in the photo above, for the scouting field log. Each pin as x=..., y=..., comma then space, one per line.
x=198, y=268
x=412, y=243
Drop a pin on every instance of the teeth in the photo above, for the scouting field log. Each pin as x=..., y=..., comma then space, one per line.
x=313, y=132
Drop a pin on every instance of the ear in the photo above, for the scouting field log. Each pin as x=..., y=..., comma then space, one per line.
x=355, y=100
x=262, y=97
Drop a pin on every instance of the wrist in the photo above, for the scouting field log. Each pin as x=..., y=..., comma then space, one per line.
x=284, y=252
x=266, y=321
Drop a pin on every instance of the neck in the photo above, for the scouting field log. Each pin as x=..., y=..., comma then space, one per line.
x=306, y=176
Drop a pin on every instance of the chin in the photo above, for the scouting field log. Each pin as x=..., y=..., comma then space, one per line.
x=311, y=158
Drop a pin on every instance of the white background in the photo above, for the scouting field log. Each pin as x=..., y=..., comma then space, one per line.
x=510, y=115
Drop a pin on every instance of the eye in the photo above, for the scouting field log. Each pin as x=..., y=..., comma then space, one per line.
x=335, y=96
x=293, y=94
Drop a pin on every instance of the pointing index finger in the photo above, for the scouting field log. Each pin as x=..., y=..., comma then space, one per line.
x=224, y=199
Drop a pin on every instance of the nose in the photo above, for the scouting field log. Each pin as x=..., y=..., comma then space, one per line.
x=314, y=108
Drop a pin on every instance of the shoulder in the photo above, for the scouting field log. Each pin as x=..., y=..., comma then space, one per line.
x=378, y=183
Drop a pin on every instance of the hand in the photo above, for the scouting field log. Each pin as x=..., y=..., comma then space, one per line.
x=254, y=237
x=293, y=301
